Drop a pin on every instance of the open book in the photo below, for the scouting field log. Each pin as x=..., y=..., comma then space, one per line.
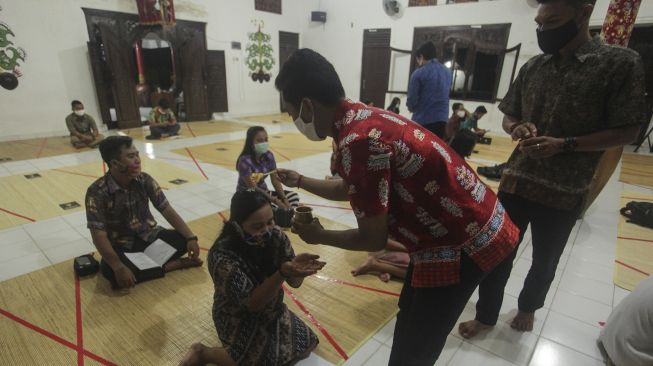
x=153, y=258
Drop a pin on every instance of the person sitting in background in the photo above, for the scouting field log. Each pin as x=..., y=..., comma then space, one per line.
x=394, y=105
x=458, y=115
x=464, y=142
x=119, y=218
x=249, y=263
x=471, y=123
x=82, y=127
x=162, y=121
x=627, y=337
x=255, y=163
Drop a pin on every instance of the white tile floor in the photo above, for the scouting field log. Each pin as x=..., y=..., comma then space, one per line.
x=581, y=296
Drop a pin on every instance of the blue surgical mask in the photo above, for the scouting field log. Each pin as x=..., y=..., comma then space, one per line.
x=261, y=148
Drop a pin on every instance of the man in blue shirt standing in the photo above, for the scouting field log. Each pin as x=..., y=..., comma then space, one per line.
x=428, y=91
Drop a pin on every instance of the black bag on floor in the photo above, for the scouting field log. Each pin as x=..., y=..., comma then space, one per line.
x=640, y=213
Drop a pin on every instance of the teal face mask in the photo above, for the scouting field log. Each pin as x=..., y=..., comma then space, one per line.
x=261, y=148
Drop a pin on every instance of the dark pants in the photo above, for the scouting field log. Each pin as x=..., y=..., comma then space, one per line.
x=172, y=237
x=170, y=130
x=427, y=315
x=550, y=230
x=438, y=128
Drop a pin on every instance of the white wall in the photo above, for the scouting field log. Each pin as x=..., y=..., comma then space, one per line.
x=340, y=40
x=57, y=69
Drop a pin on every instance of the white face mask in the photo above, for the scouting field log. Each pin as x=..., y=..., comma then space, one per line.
x=461, y=114
x=79, y=112
x=307, y=129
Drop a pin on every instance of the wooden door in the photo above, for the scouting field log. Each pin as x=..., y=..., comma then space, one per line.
x=192, y=56
x=102, y=82
x=375, y=66
x=123, y=86
x=288, y=44
x=216, y=81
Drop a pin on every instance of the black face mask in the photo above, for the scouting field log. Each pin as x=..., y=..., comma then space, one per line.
x=551, y=41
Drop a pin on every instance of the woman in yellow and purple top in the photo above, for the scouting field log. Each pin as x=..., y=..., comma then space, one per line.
x=255, y=163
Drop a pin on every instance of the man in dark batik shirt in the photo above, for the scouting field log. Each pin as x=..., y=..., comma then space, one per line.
x=565, y=108
x=119, y=217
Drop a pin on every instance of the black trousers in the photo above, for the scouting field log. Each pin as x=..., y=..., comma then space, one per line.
x=172, y=237
x=169, y=130
x=427, y=315
x=438, y=128
x=550, y=230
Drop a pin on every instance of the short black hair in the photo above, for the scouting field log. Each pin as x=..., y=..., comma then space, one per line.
x=74, y=103
x=576, y=4
x=427, y=50
x=164, y=103
x=307, y=74
x=456, y=106
x=111, y=147
x=464, y=142
x=480, y=109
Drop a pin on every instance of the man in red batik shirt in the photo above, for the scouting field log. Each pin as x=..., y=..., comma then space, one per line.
x=402, y=180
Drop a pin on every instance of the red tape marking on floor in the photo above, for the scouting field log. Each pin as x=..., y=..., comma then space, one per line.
x=637, y=198
x=75, y=173
x=326, y=206
x=17, y=214
x=38, y=154
x=280, y=154
x=54, y=337
x=78, y=320
x=635, y=239
x=632, y=268
x=224, y=219
x=196, y=163
x=341, y=282
x=317, y=324
x=190, y=129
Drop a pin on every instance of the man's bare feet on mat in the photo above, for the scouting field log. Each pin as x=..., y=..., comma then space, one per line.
x=471, y=328
x=367, y=267
x=182, y=263
x=523, y=321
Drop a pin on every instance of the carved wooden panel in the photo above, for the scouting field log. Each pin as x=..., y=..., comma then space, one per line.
x=192, y=56
x=272, y=6
x=216, y=81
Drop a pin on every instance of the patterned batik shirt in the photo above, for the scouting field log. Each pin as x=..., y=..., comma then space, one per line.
x=124, y=213
x=436, y=205
x=600, y=88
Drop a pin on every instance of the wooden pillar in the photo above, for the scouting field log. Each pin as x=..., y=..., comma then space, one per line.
x=617, y=28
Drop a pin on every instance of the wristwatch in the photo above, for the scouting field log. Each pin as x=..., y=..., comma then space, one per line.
x=570, y=144
x=191, y=238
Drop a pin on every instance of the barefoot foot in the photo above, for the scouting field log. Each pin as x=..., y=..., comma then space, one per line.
x=523, y=321
x=194, y=356
x=366, y=267
x=385, y=277
x=182, y=263
x=470, y=329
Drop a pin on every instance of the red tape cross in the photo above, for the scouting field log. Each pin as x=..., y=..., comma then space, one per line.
x=341, y=282
x=55, y=338
x=17, y=214
x=317, y=324
x=78, y=320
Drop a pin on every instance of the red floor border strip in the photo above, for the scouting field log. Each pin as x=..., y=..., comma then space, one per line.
x=196, y=163
x=190, y=129
x=315, y=322
x=17, y=214
x=341, y=282
x=54, y=337
x=631, y=267
x=635, y=239
x=38, y=154
x=78, y=321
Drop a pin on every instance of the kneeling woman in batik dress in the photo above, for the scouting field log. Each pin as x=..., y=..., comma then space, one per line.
x=249, y=262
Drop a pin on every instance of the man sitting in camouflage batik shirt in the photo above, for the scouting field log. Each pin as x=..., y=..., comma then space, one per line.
x=82, y=127
x=565, y=108
x=119, y=217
